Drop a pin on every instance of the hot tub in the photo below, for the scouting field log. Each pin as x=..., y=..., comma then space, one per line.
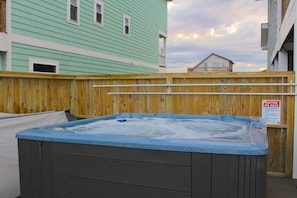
x=145, y=155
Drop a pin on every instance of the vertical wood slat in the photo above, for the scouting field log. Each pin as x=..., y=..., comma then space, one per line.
x=169, y=99
x=27, y=92
x=290, y=130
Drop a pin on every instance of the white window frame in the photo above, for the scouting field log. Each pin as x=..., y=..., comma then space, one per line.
x=98, y=2
x=33, y=61
x=125, y=16
x=76, y=22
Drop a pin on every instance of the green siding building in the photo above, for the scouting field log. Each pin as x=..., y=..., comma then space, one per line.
x=83, y=36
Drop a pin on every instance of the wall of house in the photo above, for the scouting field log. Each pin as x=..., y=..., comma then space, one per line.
x=44, y=25
x=281, y=20
x=272, y=33
x=214, y=64
x=70, y=63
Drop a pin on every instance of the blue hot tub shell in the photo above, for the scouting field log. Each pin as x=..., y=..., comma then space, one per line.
x=64, y=161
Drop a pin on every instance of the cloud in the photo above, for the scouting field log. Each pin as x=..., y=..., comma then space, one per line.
x=230, y=28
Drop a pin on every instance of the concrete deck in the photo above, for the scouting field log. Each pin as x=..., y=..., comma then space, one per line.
x=281, y=187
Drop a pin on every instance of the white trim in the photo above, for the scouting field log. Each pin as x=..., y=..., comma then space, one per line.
x=295, y=110
x=125, y=16
x=69, y=20
x=163, y=34
x=8, y=30
x=65, y=48
x=95, y=12
x=8, y=16
x=33, y=60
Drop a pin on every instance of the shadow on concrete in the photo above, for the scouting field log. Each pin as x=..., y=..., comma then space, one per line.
x=281, y=187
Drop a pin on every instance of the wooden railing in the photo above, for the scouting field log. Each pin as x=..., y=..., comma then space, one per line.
x=26, y=93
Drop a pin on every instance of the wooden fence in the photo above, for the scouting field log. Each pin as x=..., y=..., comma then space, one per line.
x=26, y=93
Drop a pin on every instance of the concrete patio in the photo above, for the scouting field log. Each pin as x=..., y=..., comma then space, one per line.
x=281, y=187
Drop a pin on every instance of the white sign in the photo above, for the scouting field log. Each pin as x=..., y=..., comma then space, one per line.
x=271, y=111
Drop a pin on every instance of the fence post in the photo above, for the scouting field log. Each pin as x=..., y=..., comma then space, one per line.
x=73, y=97
x=169, y=101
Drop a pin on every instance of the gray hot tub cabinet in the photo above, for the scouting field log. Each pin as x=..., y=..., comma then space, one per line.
x=66, y=170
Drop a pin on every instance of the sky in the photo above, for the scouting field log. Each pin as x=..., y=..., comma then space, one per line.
x=229, y=28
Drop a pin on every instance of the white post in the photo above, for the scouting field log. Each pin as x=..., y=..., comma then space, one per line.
x=9, y=32
x=295, y=110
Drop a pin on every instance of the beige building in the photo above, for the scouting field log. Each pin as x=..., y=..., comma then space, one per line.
x=213, y=63
x=278, y=37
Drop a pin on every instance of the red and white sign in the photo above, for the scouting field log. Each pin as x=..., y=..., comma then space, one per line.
x=271, y=103
x=271, y=111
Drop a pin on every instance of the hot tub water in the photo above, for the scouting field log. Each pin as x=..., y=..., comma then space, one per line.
x=164, y=128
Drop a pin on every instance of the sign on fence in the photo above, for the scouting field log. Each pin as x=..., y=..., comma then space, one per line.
x=271, y=111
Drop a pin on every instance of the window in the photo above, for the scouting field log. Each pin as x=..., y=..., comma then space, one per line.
x=98, y=12
x=73, y=11
x=41, y=65
x=221, y=64
x=207, y=66
x=44, y=68
x=162, y=45
x=162, y=49
x=126, y=25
